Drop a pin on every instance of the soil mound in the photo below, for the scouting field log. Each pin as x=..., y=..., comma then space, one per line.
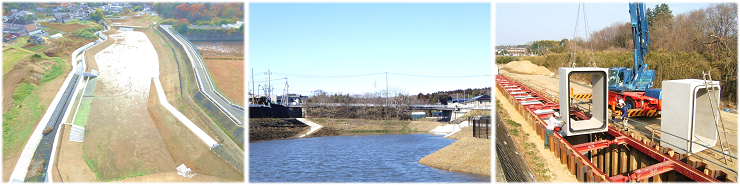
x=469, y=155
x=526, y=67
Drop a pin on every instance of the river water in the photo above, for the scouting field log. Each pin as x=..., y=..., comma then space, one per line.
x=362, y=158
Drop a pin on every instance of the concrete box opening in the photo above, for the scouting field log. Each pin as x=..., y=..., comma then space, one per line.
x=587, y=113
x=688, y=115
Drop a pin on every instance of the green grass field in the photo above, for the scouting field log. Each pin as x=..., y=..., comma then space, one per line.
x=11, y=57
x=83, y=112
x=19, y=121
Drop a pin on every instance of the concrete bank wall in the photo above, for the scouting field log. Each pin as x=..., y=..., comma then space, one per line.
x=220, y=117
x=214, y=37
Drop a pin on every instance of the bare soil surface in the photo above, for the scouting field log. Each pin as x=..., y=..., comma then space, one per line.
x=132, y=21
x=22, y=72
x=121, y=138
x=228, y=75
x=263, y=129
x=182, y=99
x=185, y=147
x=63, y=27
x=557, y=171
x=90, y=52
x=423, y=126
x=526, y=67
x=228, y=48
x=362, y=125
x=172, y=177
x=70, y=163
x=468, y=155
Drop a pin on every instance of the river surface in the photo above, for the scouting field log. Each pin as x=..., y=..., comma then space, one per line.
x=361, y=158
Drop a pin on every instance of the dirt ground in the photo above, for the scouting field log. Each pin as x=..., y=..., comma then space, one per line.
x=132, y=21
x=182, y=100
x=228, y=75
x=526, y=67
x=63, y=27
x=185, y=147
x=362, y=125
x=423, y=126
x=23, y=72
x=172, y=177
x=557, y=171
x=70, y=163
x=231, y=48
x=90, y=53
x=262, y=129
x=123, y=140
x=468, y=155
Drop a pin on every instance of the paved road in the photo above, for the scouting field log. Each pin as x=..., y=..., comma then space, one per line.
x=207, y=85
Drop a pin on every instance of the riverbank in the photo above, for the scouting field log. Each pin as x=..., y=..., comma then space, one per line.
x=264, y=129
x=467, y=155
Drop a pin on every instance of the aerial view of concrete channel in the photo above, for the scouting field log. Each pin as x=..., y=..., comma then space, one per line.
x=123, y=92
x=369, y=92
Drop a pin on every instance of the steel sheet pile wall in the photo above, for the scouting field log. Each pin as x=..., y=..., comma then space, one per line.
x=617, y=155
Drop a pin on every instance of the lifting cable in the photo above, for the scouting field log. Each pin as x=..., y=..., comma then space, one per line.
x=574, y=53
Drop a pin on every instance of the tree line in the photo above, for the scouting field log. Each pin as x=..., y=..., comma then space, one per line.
x=396, y=104
x=200, y=13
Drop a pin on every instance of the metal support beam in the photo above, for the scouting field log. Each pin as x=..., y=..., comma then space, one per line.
x=619, y=178
x=653, y=170
x=680, y=167
x=585, y=147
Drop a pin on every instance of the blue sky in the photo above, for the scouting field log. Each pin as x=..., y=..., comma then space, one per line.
x=519, y=23
x=320, y=45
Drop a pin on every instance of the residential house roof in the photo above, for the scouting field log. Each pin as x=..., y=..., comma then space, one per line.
x=18, y=21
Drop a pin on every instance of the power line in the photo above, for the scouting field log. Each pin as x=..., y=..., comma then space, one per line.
x=370, y=74
x=435, y=76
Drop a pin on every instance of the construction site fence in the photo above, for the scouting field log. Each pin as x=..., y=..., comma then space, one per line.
x=481, y=126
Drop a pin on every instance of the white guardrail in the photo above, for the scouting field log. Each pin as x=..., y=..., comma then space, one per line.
x=180, y=39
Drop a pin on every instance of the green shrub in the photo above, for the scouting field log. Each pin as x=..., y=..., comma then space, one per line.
x=56, y=70
x=23, y=90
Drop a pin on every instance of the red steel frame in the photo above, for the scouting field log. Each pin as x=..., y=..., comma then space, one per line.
x=667, y=163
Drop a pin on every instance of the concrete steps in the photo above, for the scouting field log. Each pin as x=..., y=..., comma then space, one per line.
x=77, y=133
x=314, y=126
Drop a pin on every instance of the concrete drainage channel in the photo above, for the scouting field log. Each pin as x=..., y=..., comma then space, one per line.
x=41, y=147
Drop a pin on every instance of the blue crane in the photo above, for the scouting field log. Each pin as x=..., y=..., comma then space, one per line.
x=637, y=78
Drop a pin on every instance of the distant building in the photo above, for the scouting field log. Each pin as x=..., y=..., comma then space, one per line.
x=62, y=17
x=482, y=100
x=517, y=51
x=19, y=27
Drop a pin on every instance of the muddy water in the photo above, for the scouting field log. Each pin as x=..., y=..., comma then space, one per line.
x=365, y=158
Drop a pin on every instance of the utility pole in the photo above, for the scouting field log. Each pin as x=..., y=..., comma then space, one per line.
x=375, y=85
x=269, y=86
x=386, y=88
x=252, y=91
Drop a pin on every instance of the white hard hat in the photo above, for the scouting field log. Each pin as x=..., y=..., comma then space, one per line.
x=557, y=114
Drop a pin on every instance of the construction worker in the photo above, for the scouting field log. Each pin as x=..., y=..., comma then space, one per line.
x=553, y=124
